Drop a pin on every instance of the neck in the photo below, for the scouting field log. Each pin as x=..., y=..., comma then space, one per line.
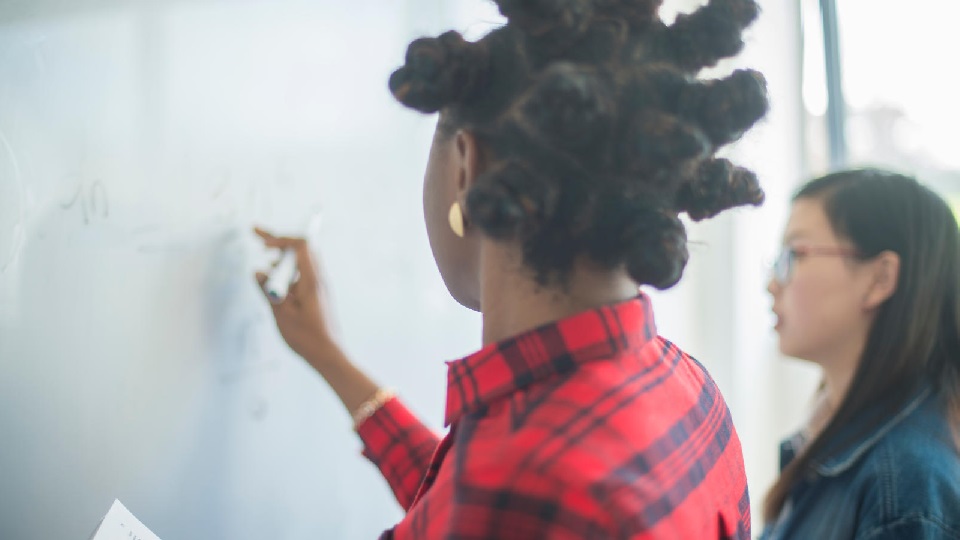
x=836, y=382
x=838, y=372
x=512, y=302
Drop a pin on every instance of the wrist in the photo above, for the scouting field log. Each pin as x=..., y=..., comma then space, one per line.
x=322, y=354
x=370, y=406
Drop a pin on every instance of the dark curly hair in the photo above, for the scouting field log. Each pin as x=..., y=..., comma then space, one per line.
x=599, y=131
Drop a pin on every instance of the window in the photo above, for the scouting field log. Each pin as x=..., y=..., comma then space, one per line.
x=898, y=108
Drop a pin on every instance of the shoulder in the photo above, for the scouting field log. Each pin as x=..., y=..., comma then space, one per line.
x=635, y=402
x=921, y=450
x=917, y=468
x=667, y=436
x=688, y=371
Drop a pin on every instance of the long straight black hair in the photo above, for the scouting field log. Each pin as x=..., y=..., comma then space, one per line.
x=915, y=339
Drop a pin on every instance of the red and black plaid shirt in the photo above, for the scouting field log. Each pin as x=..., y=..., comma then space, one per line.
x=590, y=427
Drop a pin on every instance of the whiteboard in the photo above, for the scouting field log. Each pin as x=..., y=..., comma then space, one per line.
x=139, y=143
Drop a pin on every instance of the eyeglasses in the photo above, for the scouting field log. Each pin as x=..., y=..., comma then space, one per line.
x=783, y=266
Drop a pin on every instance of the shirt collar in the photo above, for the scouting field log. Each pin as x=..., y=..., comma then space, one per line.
x=843, y=461
x=556, y=348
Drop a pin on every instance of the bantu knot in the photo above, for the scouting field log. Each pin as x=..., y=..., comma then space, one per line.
x=727, y=107
x=719, y=185
x=700, y=39
x=438, y=72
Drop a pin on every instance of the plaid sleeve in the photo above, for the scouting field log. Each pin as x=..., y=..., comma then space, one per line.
x=400, y=446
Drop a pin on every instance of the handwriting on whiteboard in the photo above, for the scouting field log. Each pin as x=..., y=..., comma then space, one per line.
x=91, y=200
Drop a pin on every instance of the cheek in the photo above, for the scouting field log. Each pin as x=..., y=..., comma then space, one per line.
x=434, y=199
x=801, y=327
x=816, y=315
x=436, y=207
x=429, y=208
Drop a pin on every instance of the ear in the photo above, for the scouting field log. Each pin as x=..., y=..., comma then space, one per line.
x=885, y=274
x=469, y=161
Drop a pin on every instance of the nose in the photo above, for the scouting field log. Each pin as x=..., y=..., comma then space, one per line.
x=773, y=287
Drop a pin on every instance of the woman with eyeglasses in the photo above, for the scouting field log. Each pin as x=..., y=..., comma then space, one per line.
x=868, y=288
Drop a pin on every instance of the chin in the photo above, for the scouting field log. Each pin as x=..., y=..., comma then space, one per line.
x=794, y=352
x=468, y=302
x=785, y=347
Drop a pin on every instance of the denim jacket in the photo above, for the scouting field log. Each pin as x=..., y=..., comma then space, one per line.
x=901, y=481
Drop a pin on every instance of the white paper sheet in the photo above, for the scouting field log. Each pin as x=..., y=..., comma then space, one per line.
x=120, y=524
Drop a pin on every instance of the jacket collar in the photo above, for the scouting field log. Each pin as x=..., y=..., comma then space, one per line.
x=842, y=461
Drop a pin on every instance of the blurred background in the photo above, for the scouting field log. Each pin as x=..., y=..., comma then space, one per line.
x=141, y=140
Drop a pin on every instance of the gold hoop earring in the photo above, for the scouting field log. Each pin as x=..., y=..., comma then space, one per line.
x=456, y=219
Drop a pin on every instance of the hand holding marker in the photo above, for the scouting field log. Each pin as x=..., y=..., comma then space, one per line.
x=284, y=273
x=298, y=299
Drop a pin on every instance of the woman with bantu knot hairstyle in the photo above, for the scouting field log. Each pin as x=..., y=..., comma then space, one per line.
x=569, y=143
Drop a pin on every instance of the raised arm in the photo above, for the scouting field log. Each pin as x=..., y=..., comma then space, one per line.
x=397, y=442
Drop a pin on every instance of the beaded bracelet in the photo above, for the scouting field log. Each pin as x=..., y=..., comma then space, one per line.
x=371, y=405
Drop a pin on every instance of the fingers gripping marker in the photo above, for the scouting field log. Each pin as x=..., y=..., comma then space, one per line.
x=285, y=272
